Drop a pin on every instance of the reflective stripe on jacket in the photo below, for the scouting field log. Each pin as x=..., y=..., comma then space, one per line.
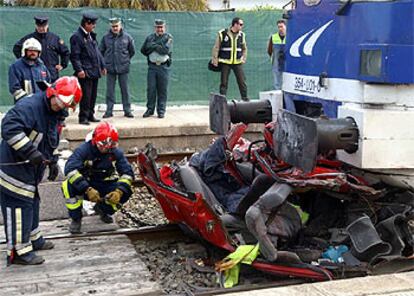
x=87, y=163
x=23, y=77
x=28, y=127
x=54, y=51
x=231, y=48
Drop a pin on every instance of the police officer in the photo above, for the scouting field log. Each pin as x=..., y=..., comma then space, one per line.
x=275, y=49
x=157, y=48
x=88, y=64
x=55, y=53
x=117, y=48
x=92, y=173
x=230, y=50
x=30, y=136
x=27, y=70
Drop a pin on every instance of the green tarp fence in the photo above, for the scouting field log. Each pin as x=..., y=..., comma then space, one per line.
x=194, y=35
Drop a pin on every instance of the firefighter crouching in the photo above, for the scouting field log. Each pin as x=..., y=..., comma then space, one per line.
x=92, y=173
x=29, y=138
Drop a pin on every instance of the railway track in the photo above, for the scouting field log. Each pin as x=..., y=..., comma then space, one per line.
x=173, y=232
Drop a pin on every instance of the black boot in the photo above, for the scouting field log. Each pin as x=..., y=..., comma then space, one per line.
x=48, y=245
x=75, y=226
x=93, y=119
x=104, y=216
x=27, y=259
x=148, y=113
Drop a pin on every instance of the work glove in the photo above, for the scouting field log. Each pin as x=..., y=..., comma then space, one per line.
x=93, y=195
x=36, y=158
x=115, y=196
x=53, y=171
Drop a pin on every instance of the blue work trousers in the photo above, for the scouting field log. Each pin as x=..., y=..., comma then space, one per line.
x=21, y=223
x=110, y=92
x=277, y=76
x=157, y=88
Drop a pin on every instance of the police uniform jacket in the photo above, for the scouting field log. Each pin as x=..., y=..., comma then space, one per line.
x=160, y=44
x=232, y=47
x=85, y=54
x=29, y=126
x=54, y=51
x=117, y=50
x=88, y=164
x=23, y=77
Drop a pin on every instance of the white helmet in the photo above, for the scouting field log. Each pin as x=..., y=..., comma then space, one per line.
x=31, y=44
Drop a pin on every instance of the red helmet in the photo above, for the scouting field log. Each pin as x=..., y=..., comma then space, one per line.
x=67, y=90
x=105, y=135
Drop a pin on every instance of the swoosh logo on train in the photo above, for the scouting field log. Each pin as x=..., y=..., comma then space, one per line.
x=308, y=47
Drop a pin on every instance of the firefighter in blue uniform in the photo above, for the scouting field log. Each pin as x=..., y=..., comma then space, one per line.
x=92, y=173
x=55, y=54
x=29, y=139
x=88, y=65
x=27, y=70
x=157, y=48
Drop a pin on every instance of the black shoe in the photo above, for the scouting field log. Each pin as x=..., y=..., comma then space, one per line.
x=129, y=115
x=93, y=119
x=28, y=259
x=107, y=115
x=48, y=245
x=105, y=218
x=245, y=99
x=75, y=226
x=161, y=115
x=147, y=113
x=84, y=122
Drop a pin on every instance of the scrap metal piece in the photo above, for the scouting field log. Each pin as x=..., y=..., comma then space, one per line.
x=299, y=139
x=219, y=114
x=366, y=243
x=222, y=113
x=341, y=133
x=250, y=112
x=393, y=264
x=295, y=140
x=390, y=230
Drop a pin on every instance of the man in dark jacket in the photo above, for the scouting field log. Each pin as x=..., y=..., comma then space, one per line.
x=29, y=138
x=88, y=64
x=92, y=173
x=27, y=70
x=117, y=48
x=158, y=50
x=55, y=53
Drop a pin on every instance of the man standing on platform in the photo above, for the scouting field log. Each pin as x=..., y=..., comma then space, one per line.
x=230, y=50
x=117, y=48
x=158, y=50
x=276, y=50
x=55, y=53
x=88, y=64
x=27, y=71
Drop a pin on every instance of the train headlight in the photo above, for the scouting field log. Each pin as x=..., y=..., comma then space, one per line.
x=371, y=62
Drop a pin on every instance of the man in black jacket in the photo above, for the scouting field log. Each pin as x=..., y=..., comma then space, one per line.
x=55, y=54
x=88, y=64
x=117, y=48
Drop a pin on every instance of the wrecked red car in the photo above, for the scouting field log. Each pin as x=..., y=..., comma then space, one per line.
x=312, y=218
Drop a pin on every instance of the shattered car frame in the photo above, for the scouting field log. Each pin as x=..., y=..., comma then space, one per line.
x=376, y=221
